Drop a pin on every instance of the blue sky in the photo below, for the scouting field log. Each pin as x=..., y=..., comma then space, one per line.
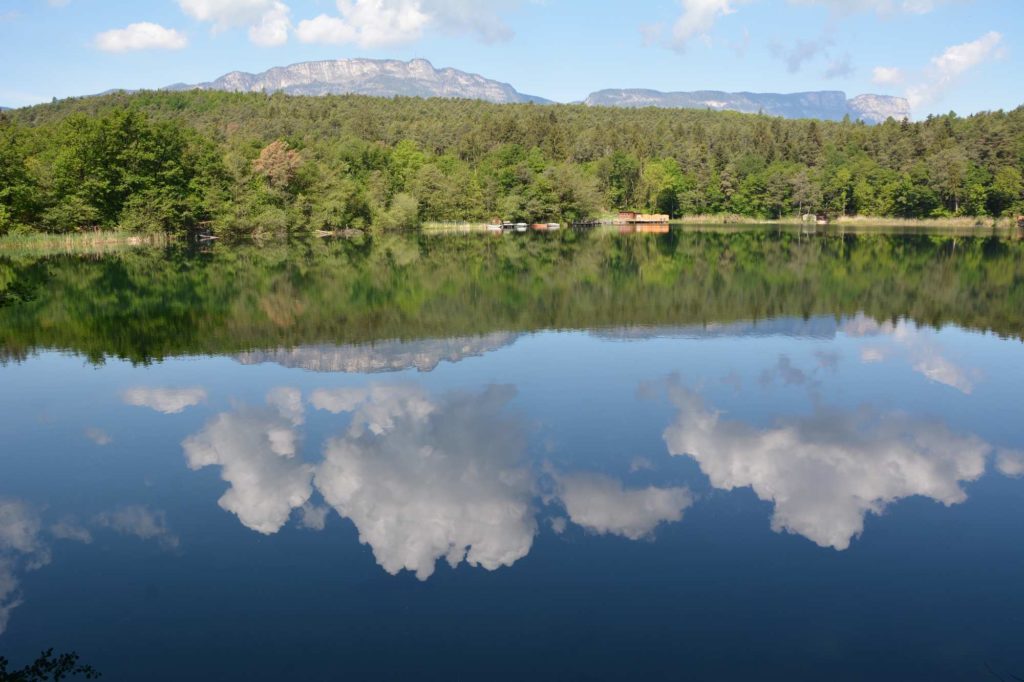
x=959, y=55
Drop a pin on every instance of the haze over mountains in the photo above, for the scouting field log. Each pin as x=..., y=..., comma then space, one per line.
x=831, y=105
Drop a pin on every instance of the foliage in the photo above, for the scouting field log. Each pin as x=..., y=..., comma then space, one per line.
x=48, y=667
x=241, y=164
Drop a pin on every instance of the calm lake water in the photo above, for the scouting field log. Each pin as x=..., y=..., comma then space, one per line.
x=742, y=455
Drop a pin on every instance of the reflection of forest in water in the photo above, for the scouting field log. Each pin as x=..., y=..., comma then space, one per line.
x=149, y=304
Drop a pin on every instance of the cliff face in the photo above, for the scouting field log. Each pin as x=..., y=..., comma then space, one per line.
x=828, y=105
x=379, y=77
x=877, y=108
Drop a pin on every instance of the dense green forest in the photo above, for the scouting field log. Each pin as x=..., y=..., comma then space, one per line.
x=251, y=163
x=147, y=304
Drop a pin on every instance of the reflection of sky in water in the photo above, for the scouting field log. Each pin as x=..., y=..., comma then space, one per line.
x=136, y=498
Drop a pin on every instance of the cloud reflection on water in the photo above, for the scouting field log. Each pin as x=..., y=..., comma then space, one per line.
x=601, y=505
x=824, y=472
x=918, y=345
x=164, y=400
x=424, y=478
x=256, y=449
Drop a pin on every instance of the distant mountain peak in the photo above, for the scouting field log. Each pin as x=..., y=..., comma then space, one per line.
x=824, y=104
x=377, y=77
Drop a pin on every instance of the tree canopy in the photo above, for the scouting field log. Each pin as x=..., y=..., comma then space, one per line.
x=250, y=163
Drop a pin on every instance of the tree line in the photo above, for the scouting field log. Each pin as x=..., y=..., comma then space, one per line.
x=252, y=163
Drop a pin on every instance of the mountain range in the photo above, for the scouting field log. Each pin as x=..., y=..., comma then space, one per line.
x=419, y=78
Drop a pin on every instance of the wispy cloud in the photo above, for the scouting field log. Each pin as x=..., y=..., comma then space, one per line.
x=140, y=522
x=98, y=436
x=21, y=548
x=698, y=18
x=881, y=7
x=165, y=400
x=946, y=70
x=919, y=346
x=1010, y=462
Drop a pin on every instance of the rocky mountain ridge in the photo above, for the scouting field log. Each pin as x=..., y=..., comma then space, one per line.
x=376, y=77
x=419, y=78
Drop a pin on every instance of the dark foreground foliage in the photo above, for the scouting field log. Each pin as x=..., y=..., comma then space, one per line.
x=48, y=667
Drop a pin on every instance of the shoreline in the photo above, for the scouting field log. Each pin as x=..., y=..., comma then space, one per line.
x=111, y=240
x=79, y=242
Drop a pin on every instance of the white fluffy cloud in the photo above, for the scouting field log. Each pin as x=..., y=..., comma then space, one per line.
x=140, y=36
x=165, y=400
x=826, y=471
x=268, y=21
x=946, y=69
x=272, y=28
x=887, y=75
x=256, y=449
x=601, y=505
x=367, y=23
x=140, y=522
x=379, y=23
x=424, y=478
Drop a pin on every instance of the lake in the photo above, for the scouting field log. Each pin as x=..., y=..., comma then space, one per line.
x=700, y=455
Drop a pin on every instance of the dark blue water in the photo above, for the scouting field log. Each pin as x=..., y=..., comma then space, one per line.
x=829, y=500
x=829, y=497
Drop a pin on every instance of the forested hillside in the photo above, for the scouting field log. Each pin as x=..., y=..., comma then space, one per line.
x=245, y=163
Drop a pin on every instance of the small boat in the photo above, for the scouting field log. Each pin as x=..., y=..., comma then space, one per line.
x=554, y=226
x=539, y=227
x=521, y=227
x=508, y=227
x=494, y=227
